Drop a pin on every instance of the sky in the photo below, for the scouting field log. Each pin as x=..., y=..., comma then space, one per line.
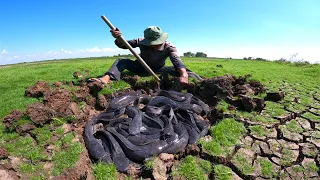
x=36, y=30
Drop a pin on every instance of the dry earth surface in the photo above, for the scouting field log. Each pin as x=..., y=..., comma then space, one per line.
x=280, y=136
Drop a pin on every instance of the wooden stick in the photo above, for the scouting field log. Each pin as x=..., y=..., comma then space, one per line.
x=144, y=64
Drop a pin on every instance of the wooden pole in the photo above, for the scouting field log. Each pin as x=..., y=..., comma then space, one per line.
x=144, y=64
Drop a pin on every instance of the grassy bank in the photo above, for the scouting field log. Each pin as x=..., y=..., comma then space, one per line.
x=16, y=78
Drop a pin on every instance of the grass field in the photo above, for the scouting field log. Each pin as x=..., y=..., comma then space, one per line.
x=296, y=79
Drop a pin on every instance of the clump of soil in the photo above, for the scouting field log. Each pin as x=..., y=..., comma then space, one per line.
x=59, y=100
x=3, y=153
x=39, y=113
x=38, y=89
x=275, y=96
x=12, y=117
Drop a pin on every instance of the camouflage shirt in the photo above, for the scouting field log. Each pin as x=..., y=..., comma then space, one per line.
x=156, y=58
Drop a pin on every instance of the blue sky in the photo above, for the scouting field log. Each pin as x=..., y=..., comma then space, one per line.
x=37, y=30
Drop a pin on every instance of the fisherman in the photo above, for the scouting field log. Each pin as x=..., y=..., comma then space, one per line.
x=154, y=50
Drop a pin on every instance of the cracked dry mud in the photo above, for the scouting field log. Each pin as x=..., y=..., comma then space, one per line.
x=287, y=147
x=279, y=139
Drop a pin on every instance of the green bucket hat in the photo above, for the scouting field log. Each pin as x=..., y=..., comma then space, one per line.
x=153, y=35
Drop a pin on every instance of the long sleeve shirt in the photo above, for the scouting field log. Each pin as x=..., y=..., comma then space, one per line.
x=156, y=58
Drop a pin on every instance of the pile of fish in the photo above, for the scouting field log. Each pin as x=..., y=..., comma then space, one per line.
x=137, y=126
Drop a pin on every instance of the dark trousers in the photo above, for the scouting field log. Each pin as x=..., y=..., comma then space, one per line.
x=122, y=64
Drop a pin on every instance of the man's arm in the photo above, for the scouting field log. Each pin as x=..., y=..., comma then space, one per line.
x=177, y=63
x=116, y=33
x=133, y=43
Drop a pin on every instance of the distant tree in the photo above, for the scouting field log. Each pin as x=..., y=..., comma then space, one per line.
x=188, y=54
x=249, y=58
x=245, y=58
x=260, y=59
x=201, y=54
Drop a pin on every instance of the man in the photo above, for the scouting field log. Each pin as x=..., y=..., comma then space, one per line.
x=154, y=50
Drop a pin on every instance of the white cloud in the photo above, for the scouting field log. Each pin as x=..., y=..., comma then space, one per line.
x=65, y=51
x=4, y=51
x=11, y=58
x=96, y=49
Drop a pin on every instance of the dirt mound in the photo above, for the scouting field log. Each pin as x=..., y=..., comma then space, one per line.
x=37, y=90
x=3, y=153
x=12, y=117
x=39, y=113
x=59, y=100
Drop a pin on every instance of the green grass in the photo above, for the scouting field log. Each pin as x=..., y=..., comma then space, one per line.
x=244, y=114
x=243, y=164
x=67, y=158
x=225, y=134
x=60, y=121
x=287, y=158
x=311, y=167
x=267, y=168
x=292, y=126
x=311, y=116
x=30, y=168
x=222, y=106
x=103, y=171
x=222, y=172
x=6, y=135
x=259, y=130
x=274, y=109
x=193, y=169
x=43, y=135
x=13, y=84
x=297, y=80
x=59, y=131
x=263, y=119
x=115, y=86
x=22, y=121
x=25, y=144
x=148, y=163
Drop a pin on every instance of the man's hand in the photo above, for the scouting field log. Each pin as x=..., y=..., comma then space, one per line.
x=116, y=33
x=183, y=78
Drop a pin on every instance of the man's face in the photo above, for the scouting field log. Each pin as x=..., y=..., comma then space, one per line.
x=156, y=46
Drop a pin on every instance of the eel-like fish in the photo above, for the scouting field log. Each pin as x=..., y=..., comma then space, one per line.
x=154, y=121
x=94, y=145
x=205, y=107
x=118, y=156
x=192, y=129
x=142, y=139
x=203, y=125
x=176, y=96
x=122, y=101
x=161, y=101
x=191, y=107
x=113, y=113
x=136, y=123
x=168, y=128
x=138, y=153
x=165, y=123
x=181, y=140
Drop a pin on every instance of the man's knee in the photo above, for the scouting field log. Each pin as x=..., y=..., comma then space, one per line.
x=123, y=60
